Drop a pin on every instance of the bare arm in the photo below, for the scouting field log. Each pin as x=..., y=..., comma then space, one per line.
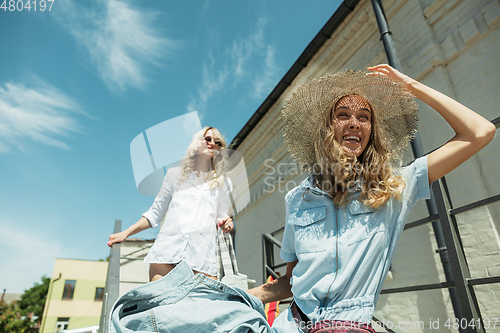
x=275, y=290
x=138, y=226
x=472, y=131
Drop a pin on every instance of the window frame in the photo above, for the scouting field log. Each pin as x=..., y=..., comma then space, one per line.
x=101, y=289
x=68, y=290
x=63, y=323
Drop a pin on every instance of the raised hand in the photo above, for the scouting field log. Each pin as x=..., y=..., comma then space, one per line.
x=384, y=69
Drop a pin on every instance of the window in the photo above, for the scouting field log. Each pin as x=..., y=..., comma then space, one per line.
x=69, y=289
x=62, y=324
x=99, y=293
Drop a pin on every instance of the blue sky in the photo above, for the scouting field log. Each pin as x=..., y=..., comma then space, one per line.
x=78, y=83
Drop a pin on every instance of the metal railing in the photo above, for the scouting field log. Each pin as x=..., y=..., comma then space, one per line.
x=111, y=290
x=446, y=217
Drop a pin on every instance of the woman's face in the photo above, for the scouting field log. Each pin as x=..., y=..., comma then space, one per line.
x=352, y=123
x=210, y=142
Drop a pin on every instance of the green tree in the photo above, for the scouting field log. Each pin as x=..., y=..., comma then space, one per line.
x=17, y=316
x=33, y=299
x=11, y=320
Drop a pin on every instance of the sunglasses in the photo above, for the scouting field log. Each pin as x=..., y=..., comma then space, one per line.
x=216, y=141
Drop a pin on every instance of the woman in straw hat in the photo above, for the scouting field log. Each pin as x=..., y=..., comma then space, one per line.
x=344, y=221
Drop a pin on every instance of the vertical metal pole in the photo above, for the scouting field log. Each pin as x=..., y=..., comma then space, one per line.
x=264, y=259
x=459, y=269
x=268, y=255
x=111, y=290
x=386, y=35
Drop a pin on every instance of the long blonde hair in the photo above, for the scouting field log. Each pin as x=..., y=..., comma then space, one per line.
x=340, y=174
x=219, y=158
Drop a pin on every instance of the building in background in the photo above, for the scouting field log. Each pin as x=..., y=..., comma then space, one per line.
x=8, y=298
x=452, y=46
x=75, y=296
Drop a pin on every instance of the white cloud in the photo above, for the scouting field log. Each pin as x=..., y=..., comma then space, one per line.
x=120, y=39
x=248, y=61
x=41, y=113
x=245, y=48
x=213, y=80
x=265, y=80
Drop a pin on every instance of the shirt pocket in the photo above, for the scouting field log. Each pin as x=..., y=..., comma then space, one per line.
x=311, y=229
x=364, y=223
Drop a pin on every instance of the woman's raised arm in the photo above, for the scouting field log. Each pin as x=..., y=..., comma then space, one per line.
x=472, y=131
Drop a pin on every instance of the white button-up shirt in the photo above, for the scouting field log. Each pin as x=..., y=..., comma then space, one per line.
x=191, y=210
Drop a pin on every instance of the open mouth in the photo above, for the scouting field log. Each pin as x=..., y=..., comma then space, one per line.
x=352, y=138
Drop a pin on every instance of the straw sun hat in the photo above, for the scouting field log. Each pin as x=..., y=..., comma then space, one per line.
x=394, y=107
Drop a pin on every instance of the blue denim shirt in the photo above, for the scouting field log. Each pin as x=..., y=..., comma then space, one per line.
x=344, y=286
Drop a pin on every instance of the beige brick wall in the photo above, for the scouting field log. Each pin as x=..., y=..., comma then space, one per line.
x=452, y=46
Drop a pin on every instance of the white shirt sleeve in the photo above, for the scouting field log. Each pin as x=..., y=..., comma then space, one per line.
x=224, y=200
x=159, y=208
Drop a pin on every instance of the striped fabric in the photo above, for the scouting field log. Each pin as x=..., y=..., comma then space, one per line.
x=226, y=257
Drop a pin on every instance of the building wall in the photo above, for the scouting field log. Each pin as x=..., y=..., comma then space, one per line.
x=452, y=46
x=134, y=271
x=82, y=310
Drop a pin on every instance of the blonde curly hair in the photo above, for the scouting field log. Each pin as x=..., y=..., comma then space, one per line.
x=219, y=158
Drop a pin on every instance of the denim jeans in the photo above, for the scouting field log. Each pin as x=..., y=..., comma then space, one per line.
x=184, y=302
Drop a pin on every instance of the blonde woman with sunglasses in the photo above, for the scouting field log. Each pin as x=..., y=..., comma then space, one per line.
x=194, y=201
